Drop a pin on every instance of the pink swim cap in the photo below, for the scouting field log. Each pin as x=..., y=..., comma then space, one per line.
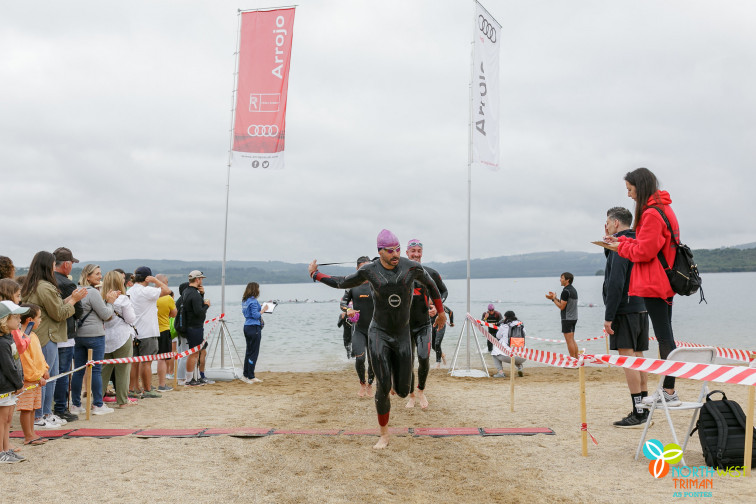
x=387, y=239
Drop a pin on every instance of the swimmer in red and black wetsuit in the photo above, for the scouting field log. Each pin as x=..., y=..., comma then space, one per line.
x=392, y=278
x=420, y=324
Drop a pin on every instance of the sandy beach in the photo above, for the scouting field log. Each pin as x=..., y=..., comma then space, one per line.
x=295, y=468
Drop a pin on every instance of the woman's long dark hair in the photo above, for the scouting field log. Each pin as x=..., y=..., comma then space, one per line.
x=252, y=290
x=41, y=268
x=646, y=185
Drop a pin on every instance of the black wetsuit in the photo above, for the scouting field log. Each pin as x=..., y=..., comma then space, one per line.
x=389, y=334
x=362, y=301
x=491, y=318
x=438, y=334
x=420, y=326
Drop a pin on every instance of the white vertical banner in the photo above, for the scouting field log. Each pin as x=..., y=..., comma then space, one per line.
x=485, y=92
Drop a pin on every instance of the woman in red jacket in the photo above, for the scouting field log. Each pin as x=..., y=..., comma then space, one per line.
x=648, y=278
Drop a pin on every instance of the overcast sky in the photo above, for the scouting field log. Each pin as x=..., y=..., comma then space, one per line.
x=114, y=127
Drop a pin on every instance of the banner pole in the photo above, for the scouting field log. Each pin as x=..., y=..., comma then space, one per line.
x=469, y=178
x=228, y=175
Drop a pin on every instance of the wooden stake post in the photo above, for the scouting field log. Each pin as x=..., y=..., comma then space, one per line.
x=511, y=380
x=583, y=414
x=89, y=384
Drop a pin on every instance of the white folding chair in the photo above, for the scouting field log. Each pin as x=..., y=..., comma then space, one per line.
x=698, y=355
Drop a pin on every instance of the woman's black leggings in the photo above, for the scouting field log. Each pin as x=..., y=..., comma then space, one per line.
x=660, y=313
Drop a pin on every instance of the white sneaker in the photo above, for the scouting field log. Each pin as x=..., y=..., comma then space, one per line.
x=246, y=380
x=101, y=410
x=39, y=422
x=672, y=400
x=56, y=419
x=77, y=410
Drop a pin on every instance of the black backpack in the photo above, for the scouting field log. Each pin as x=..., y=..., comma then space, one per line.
x=179, y=323
x=517, y=332
x=683, y=275
x=721, y=430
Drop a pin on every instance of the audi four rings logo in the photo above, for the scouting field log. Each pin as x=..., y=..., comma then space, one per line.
x=394, y=300
x=262, y=130
x=487, y=28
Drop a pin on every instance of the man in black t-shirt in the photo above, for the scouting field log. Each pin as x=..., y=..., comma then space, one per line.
x=567, y=304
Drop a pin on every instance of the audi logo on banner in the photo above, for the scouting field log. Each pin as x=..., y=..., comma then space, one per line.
x=262, y=130
x=487, y=28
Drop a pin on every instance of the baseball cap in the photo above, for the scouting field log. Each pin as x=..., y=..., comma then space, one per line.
x=63, y=254
x=11, y=308
x=141, y=273
x=490, y=307
x=196, y=274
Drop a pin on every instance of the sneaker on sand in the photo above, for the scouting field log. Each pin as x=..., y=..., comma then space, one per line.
x=8, y=458
x=500, y=374
x=77, y=410
x=245, y=379
x=53, y=418
x=67, y=416
x=149, y=394
x=671, y=399
x=205, y=381
x=632, y=422
x=193, y=383
x=164, y=388
x=519, y=370
x=134, y=394
x=256, y=380
x=39, y=422
x=101, y=410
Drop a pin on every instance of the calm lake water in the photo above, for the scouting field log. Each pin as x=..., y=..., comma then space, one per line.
x=301, y=335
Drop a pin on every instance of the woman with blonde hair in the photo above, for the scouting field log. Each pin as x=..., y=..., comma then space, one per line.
x=119, y=335
x=90, y=334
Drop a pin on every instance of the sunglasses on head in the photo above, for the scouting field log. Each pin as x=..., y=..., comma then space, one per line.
x=391, y=250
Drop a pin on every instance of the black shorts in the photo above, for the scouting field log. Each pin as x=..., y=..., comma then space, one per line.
x=568, y=326
x=145, y=347
x=164, y=343
x=630, y=331
x=194, y=336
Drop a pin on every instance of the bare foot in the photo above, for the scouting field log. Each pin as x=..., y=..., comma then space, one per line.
x=411, y=402
x=423, y=400
x=438, y=365
x=382, y=443
x=361, y=393
x=443, y=358
x=370, y=391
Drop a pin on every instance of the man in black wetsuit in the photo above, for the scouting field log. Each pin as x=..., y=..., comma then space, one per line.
x=420, y=324
x=361, y=298
x=392, y=278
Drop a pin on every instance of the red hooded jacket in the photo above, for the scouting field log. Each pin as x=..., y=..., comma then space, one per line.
x=648, y=278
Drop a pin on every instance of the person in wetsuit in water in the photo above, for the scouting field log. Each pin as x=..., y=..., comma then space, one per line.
x=420, y=324
x=392, y=278
x=361, y=298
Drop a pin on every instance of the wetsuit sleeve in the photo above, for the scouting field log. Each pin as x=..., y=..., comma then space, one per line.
x=441, y=285
x=340, y=282
x=424, y=278
x=345, y=299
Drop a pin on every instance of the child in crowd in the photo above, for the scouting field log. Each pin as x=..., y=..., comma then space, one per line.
x=10, y=290
x=35, y=376
x=11, y=377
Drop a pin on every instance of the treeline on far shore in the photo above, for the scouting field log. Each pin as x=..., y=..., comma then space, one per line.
x=538, y=264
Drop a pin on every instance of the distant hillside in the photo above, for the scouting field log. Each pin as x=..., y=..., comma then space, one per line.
x=540, y=264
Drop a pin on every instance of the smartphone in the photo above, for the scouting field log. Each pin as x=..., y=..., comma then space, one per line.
x=29, y=328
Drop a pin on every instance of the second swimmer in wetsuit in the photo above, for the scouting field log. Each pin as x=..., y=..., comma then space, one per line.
x=361, y=298
x=392, y=278
x=420, y=324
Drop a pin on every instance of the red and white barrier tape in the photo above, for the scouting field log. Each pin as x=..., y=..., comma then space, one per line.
x=724, y=353
x=148, y=358
x=584, y=427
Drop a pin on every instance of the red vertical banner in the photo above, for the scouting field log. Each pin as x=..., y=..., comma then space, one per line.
x=263, y=80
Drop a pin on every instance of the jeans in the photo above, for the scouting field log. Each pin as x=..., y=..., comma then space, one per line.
x=65, y=360
x=253, y=335
x=97, y=344
x=50, y=351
